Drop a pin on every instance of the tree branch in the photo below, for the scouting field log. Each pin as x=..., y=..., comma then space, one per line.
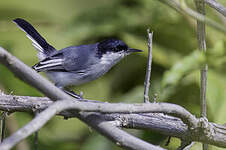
x=107, y=128
x=217, y=6
x=205, y=132
x=3, y=124
x=185, y=10
x=107, y=108
x=201, y=36
x=118, y=136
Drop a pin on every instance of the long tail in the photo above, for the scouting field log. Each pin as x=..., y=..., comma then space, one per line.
x=37, y=40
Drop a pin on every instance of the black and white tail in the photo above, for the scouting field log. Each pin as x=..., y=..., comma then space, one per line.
x=37, y=40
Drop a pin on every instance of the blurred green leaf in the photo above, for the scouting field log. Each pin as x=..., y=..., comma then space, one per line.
x=216, y=56
x=216, y=96
x=182, y=68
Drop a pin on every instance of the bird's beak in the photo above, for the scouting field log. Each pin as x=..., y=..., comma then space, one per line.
x=131, y=50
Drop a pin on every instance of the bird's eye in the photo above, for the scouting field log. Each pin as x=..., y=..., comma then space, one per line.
x=120, y=48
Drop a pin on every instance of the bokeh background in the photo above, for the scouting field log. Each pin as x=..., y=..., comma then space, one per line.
x=175, y=68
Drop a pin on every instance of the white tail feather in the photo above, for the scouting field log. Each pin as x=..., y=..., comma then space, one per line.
x=48, y=65
x=35, y=44
x=51, y=61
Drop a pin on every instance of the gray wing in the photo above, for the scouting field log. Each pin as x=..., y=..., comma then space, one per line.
x=70, y=59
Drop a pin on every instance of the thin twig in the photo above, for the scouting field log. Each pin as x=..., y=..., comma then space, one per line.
x=217, y=6
x=3, y=124
x=183, y=9
x=36, y=140
x=148, y=70
x=36, y=135
x=201, y=36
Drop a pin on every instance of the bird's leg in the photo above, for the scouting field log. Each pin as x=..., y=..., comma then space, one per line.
x=71, y=93
x=81, y=94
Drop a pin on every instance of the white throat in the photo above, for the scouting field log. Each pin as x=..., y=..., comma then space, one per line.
x=111, y=58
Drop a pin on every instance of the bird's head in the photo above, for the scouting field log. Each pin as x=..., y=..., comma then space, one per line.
x=112, y=50
x=115, y=46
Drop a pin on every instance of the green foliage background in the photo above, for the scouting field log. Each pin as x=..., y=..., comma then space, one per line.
x=175, y=71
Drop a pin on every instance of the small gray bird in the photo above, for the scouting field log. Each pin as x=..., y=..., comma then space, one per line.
x=75, y=65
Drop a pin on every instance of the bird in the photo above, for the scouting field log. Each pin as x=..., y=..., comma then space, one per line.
x=74, y=65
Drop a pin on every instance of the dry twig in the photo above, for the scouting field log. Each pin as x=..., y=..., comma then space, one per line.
x=148, y=70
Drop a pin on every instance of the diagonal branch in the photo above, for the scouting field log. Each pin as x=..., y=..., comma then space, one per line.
x=188, y=11
x=122, y=138
x=217, y=6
